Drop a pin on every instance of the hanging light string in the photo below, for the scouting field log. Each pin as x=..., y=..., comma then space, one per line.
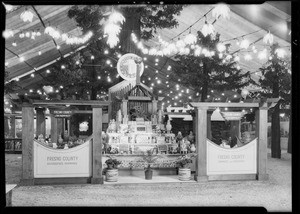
x=27, y=64
x=193, y=24
x=42, y=22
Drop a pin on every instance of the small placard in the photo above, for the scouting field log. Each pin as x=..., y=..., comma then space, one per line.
x=124, y=139
x=141, y=129
x=124, y=148
x=162, y=148
x=142, y=139
x=140, y=121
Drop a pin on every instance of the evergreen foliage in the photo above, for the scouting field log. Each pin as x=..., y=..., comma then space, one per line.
x=201, y=73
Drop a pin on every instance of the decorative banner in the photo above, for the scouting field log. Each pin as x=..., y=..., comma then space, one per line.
x=240, y=160
x=54, y=163
x=127, y=68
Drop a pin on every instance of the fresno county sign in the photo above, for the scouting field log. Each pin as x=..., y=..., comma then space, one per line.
x=240, y=160
x=62, y=113
x=54, y=163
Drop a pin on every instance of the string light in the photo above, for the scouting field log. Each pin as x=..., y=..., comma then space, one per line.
x=244, y=44
x=280, y=52
x=7, y=34
x=52, y=32
x=207, y=29
x=268, y=38
x=47, y=71
x=190, y=39
x=112, y=29
x=27, y=15
x=32, y=75
x=262, y=54
x=221, y=10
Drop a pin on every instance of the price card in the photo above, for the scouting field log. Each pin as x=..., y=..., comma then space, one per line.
x=143, y=139
x=124, y=139
x=160, y=139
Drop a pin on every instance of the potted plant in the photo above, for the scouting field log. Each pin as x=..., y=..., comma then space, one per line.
x=183, y=163
x=112, y=169
x=149, y=157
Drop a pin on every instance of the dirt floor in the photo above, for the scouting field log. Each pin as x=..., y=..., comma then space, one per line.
x=274, y=194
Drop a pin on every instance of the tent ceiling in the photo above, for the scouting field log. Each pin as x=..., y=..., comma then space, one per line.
x=244, y=19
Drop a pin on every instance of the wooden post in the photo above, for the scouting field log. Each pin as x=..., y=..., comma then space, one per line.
x=150, y=107
x=124, y=107
x=235, y=128
x=109, y=106
x=97, y=177
x=60, y=126
x=209, y=135
x=40, y=122
x=261, y=120
x=154, y=106
x=201, y=137
x=27, y=144
x=13, y=126
x=53, y=131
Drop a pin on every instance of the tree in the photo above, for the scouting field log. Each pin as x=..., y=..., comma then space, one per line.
x=201, y=73
x=87, y=73
x=276, y=83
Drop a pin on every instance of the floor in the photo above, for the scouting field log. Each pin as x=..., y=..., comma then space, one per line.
x=155, y=179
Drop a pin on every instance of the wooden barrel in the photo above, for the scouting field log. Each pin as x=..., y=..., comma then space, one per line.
x=184, y=174
x=112, y=175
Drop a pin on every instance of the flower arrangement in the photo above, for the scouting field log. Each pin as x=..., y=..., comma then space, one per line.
x=112, y=163
x=184, y=160
x=149, y=157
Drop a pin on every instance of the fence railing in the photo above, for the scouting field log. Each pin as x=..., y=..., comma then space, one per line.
x=13, y=145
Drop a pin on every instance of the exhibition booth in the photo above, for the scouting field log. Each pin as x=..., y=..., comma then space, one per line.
x=136, y=125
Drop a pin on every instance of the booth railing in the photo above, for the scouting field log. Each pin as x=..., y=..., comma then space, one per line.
x=13, y=145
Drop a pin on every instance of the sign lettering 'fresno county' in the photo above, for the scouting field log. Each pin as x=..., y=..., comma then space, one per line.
x=240, y=160
x=54, y=163
x=62, y=113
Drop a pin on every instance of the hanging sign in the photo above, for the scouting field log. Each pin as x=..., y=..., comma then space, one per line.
x=127, y=68
x=240, y=160
x=62, y=113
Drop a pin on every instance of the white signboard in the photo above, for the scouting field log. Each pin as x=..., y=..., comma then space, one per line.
x=127, y=68
x=240, y=160
x=54, y=163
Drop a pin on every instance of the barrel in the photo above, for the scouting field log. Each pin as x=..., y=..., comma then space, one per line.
x=112, y=175
x=184, y=174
